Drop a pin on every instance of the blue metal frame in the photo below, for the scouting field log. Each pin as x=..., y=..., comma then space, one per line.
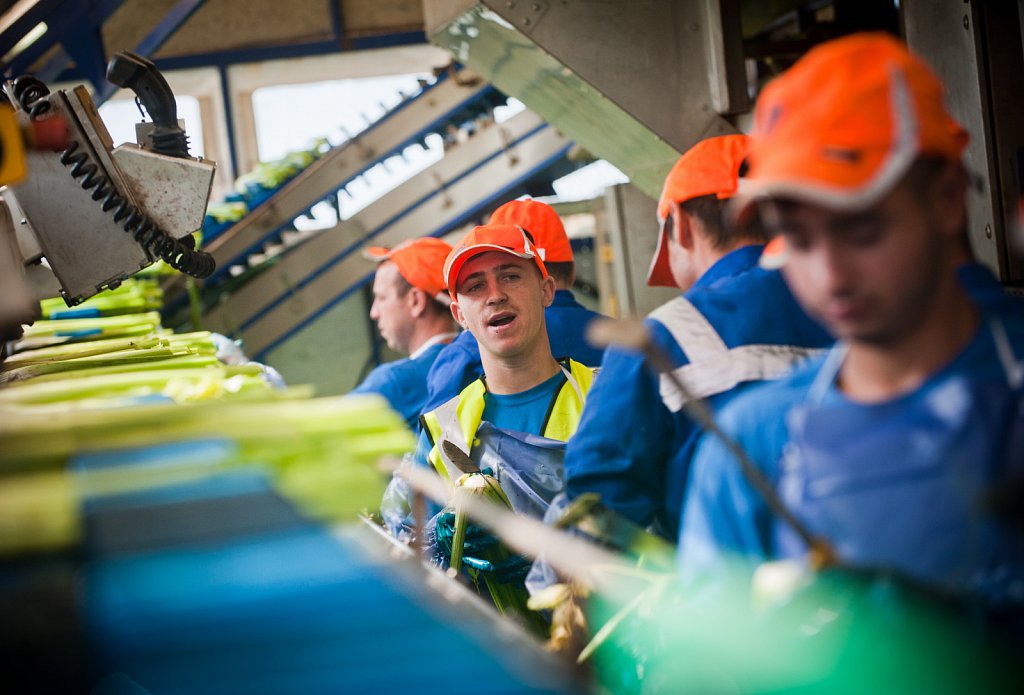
x=62, y=17
x=439, y=231
x=225, y=91
x=427, y=129
x=40, y=12
x=352, y=248
x=171, y=22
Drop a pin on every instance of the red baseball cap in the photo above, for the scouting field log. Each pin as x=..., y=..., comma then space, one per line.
x=506, y=238
x=711, y=167
x=843, y=126
x=420, y=262
x=543, y=224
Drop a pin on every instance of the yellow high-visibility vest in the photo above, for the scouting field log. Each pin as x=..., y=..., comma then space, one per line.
x=458, y=419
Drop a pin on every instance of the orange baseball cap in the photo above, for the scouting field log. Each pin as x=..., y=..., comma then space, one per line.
x=420, y=262
x=711, y=167
x=842, y=126
x=507, y=238
x=543, y=224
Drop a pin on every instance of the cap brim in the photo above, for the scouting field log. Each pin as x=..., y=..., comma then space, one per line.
x=377, y=254
x=660, y=272
x=775, y=254
x=455, y=265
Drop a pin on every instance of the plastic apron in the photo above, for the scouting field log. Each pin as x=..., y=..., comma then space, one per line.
x=902, y=485
x=528, y=467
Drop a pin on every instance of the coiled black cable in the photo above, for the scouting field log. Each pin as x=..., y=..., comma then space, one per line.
x=31, y=94
x=180, y=254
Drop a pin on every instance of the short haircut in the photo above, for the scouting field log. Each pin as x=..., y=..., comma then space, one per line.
x=922, y=174
x=563, y=272
x=710, y=211
x=402, y=287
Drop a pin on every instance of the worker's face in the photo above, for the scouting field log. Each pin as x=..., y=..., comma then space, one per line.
x=871, y=276
x=500, y=299
x=392, y=310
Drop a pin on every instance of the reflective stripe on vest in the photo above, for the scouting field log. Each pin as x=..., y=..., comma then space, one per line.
x=458, y=419
x=713, y=367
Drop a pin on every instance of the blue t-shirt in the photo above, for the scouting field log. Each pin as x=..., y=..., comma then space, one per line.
x=459, y=365
x=894, y=484
x=526, y=411
x=404, y=383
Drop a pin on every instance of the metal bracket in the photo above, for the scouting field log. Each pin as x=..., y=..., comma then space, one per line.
x=525, y=14
x=442, y=189
x=508, y=147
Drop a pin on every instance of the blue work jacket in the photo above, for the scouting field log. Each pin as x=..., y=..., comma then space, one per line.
x=404, y=383
x=740, y=325
x=905, y=485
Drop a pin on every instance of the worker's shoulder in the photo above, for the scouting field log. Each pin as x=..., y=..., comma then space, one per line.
x=382, y=376
x=565, y=306
x=766, y=403
x=463, y=344
x=753, y=287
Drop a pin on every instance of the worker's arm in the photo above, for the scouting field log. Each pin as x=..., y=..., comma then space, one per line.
x=625, y=438
x=726, y=525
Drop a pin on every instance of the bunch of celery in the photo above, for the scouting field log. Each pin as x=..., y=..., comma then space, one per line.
x=196, y=377
x=58, y=331
x=133, y=296
x=150, y=352
x=510, y=598
x=321, y=453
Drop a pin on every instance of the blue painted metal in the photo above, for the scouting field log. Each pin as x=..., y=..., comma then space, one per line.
x=99, y=12
x=337, y=21
x=407, y=38
x=39, y=12
x=352, y=248
x=429, y=128
x=61, y=20
x=249, y=55
x=229, y=119
x=85, y=47
x=171, y=22
x=466, y=216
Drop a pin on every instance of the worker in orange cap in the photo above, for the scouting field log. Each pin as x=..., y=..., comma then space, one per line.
x=500, y=288
x=734, y=325
x=893, y=447
x=566, y=319
x=410, y=307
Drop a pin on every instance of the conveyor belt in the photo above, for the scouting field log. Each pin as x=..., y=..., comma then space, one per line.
x=208, y=606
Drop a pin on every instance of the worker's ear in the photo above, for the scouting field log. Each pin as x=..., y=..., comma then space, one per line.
x=417, y=300
x=947, y=199
x=457, y=314
x=547, y=289
x=682, y=226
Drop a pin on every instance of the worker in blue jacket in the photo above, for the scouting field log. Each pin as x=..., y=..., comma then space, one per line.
x=903, y=448
x=411, y=309
x=459, y=364
x=736, y=324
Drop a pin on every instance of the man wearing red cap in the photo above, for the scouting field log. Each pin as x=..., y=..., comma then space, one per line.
x=500, y=288
x=459, y=363
x=901, y=448
x=735, y=325
x=410, y=306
